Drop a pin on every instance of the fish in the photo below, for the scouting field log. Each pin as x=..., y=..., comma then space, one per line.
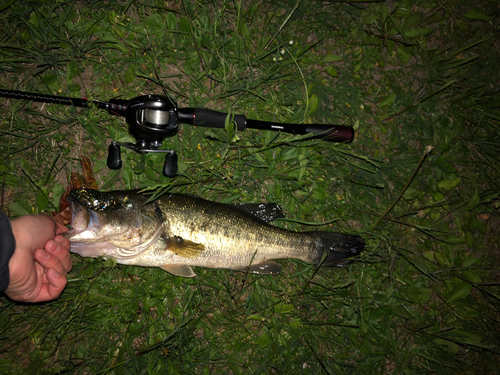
x=176, y=232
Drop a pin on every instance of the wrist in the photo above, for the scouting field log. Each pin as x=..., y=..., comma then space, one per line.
x=7, y=248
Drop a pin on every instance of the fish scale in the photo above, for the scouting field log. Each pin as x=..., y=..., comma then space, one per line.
x=227, y=232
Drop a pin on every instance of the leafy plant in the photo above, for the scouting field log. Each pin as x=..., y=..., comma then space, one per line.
x=409, y=76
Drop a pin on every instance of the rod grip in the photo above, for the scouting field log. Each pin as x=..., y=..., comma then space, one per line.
x=331, y=133
x=214, y=119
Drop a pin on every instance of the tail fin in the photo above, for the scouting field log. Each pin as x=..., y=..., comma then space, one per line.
x=337, y=248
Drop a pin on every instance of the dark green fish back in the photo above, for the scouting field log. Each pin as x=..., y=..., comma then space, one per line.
x=101, y=202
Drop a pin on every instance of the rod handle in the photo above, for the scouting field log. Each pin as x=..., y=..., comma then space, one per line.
x=331, y=133
x=215, y=119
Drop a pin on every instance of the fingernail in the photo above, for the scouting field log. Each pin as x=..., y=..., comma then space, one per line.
x=51, y=246
x=55, y=273
x=45, y=255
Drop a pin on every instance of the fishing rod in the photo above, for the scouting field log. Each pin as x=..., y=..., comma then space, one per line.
x=152, y=118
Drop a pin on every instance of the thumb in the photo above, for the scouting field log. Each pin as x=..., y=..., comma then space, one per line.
x=53, y=288
x=56, y=285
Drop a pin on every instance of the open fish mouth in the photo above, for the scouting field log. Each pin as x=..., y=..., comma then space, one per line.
x=95, y=232
x=85, y=234
x=85, y=224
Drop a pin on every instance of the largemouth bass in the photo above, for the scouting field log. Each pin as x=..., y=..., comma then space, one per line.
x=176, y=232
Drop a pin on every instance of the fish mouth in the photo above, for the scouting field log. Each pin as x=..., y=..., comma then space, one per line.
x=95, y=234
x=85, y=223
x=85, y=234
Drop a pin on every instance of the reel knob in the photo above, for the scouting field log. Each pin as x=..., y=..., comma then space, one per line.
x=114, y=156
x=170, y=167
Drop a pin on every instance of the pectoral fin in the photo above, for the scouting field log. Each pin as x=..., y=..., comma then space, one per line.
x=183, y=248
x=264, y=268
x=179, y=270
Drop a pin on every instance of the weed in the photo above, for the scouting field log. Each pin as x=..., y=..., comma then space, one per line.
x=407, y=75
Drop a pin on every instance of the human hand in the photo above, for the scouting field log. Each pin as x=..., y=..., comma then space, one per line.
x=39, y=266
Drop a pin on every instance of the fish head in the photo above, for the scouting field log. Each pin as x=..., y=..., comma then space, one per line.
x=115, y=224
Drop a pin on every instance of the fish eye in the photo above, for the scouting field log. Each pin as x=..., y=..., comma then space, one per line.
x=126, y=203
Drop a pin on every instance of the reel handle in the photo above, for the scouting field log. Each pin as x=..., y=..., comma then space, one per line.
x=114, y=161
x=114, y=156
x=170, y=167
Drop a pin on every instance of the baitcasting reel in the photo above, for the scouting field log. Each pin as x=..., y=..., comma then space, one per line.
x=152, y=118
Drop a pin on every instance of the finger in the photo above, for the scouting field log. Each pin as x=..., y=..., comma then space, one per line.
x=53, y=289
x=48, y=261
x=57, y=283
x=63, y=241
x=59, y=247
x=61, y=228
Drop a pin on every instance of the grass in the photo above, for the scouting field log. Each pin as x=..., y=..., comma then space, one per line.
x=408, y=75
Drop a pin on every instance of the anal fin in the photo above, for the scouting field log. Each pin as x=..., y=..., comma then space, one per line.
x=266, y=267
x=179, y=270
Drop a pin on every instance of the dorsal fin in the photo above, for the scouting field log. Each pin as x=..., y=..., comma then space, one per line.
x=266, y=212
